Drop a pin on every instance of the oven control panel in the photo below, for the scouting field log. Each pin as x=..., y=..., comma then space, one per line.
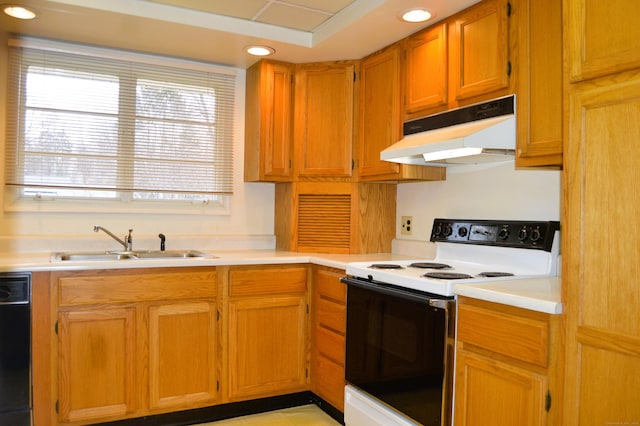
x=521, y=234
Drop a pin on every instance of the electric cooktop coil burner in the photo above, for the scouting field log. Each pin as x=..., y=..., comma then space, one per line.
x=447, y=275
x=385, y=266
x=495, y=274
x=430, y=265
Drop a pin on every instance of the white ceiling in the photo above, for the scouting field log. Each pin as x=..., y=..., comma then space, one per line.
x=218, y=30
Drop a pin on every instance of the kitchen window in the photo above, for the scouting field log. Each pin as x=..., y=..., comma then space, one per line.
x=102, y=125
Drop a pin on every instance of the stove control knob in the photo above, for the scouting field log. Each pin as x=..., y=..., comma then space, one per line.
x=504, y=233
x=535, y=234
x=438, y=230
x=523, y=234
x=446, y=230
x=462, y=232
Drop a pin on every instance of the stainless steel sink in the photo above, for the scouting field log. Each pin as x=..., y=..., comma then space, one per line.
x=173, y=254
x=88, y=256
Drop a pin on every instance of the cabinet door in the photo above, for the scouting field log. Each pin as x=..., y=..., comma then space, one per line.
x=328, y=330
x=600, y=268
x=603, y=37
x=268, y=122
x=323, y=120
x=267, y=347
x=539, y=87
x=96, y=363
x=380, y=124
x=480, y=50
x=492, y=393
x=426, y=70
x=182, y=362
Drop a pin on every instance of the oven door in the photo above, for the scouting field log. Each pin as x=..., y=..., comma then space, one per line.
x=399, y=349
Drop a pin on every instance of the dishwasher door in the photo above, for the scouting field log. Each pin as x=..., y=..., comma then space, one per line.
x=15, y=349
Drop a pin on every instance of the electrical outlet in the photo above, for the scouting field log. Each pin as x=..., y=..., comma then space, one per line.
x=406, y=225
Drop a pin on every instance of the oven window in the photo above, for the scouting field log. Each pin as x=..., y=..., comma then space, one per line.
x=395, y=352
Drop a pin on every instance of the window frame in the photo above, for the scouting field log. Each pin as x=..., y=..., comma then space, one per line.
x=16, y=201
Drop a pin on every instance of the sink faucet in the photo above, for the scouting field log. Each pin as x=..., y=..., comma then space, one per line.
x=162, y=240
x=127, y=243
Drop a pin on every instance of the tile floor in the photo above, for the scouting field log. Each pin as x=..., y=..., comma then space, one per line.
x=306, y=415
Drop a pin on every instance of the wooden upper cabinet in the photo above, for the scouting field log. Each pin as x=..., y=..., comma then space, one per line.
x=323, y=120
x=479, y=50
x=268, y=122
x=539, y=87
x=426, y=69
x=380, y=119
x=603, y=37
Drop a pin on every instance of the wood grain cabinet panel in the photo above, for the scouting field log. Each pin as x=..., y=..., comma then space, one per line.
x=539, y=88
x=182, y=354
x=380, y=119
x=523, y=338
x=479, y=50
x=97, y=362
x=134, y=342
x=603, y=37
x=493, y=393
x=268, y=122
x=267, y=332
x=506, y=366
x=427, y=69
x=323, y=120
x=328, y=326
x=600, y=269
x=266, y=346
x=335, y=217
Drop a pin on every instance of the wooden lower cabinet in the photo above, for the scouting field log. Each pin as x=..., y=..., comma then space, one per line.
x=127, y=343
x=494, y=393
x=268, y=331
x=328, y=327
x=505, y=366
x=97, y=363
x=182, y=354
x=134, y=342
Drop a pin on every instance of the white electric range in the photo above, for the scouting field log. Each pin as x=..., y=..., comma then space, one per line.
x=472, y=251
x=406, y=309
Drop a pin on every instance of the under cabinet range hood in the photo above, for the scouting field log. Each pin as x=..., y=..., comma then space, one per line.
x=479, y=133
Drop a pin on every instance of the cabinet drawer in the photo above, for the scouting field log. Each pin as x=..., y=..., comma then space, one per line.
x=330, y=345
x=328, y=285
x=330, y=384
x=331, y=315
x=247, y=282
x=520, y=337
x=116, y=286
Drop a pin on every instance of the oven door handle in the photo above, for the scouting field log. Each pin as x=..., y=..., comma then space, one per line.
x=429, y=299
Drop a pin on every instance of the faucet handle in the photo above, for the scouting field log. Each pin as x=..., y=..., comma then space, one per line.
x=129, y=240
x=162, y=240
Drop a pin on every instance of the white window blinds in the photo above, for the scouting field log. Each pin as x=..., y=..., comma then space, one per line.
x=90, y=125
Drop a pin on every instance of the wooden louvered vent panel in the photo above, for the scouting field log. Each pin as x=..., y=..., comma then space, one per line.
x=324, y=223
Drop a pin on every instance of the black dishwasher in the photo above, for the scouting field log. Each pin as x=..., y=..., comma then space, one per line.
x=15, y=349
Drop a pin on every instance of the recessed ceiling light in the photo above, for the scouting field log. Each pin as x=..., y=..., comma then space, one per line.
x=260, y=50
x=18, y=11
x=415, y=15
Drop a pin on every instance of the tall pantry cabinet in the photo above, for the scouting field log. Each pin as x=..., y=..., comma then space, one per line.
x=601, y=255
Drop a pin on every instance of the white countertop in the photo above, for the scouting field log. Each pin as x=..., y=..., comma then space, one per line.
x=542, y=294
x=42, y=261
x=539, y=294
